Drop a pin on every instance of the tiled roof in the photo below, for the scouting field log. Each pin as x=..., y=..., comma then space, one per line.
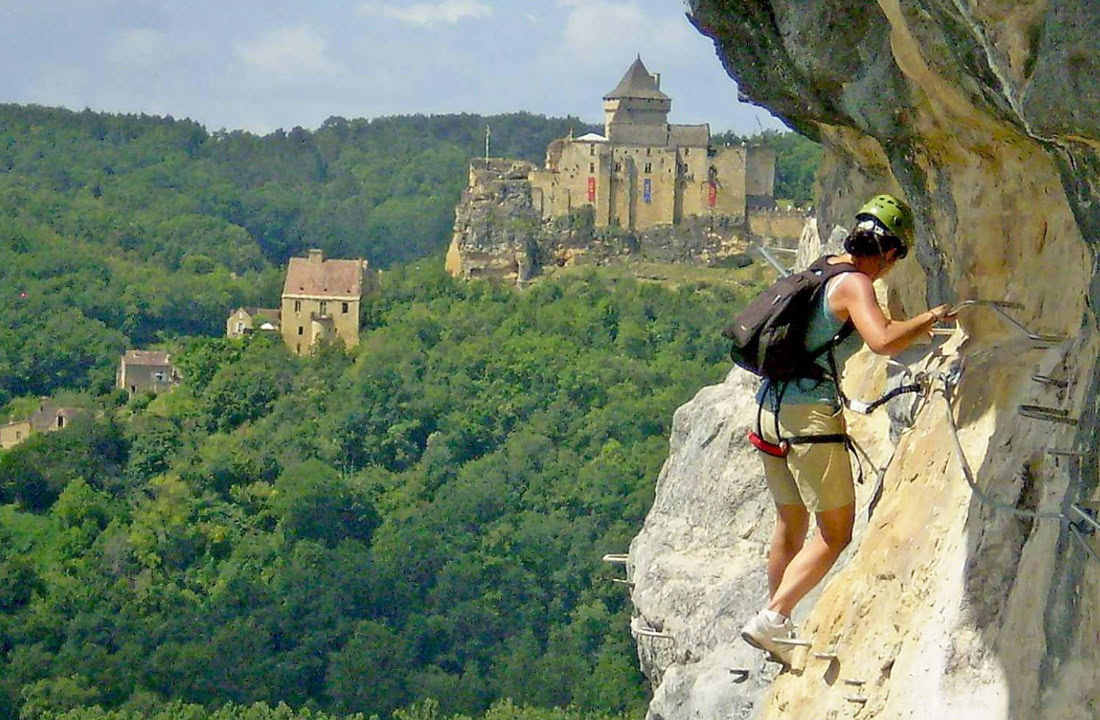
x=146, y=357
x=689, y=135
x=46, y=416
x=267, y=313
x=637, y=83
x=337, y=278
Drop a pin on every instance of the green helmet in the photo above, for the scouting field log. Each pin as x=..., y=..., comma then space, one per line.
x=892, y=213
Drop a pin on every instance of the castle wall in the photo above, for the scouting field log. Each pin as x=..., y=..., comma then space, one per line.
x=655, y=191
x=780, y=226
x=760, y=172
x=729, y=178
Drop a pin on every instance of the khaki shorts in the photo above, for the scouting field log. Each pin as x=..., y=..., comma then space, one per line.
x=818, y=476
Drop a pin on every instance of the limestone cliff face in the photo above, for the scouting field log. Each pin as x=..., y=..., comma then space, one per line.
x=495, y=223
x=985, y=116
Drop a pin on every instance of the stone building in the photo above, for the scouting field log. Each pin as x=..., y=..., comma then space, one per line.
x=50, y=417
x=321, y=299
x=247, y=320
x=644, y=172
x=144, y=370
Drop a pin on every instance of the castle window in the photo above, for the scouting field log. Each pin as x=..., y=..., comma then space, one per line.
x=345, y=309
x=297, y=306
x=18, y=434
x=591, y=167
x=649, y=151
x=301, y=330
x=591, y=149
x=649, y=167
x=687, y=151
x=60, y=421
x=324, y=308
x=618, y=167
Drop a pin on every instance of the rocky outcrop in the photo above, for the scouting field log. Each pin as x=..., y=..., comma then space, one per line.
x=955, y=602
x=495, y=223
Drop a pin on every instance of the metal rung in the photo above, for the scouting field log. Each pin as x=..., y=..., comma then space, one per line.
x=792, y=641
x=988, y=303
x=1088, y=517
x=1066, y=453
x=648, y=631
x=617, y=559
x=1034, y=337
x=1038, y=412
x=854, y=681
x=1080, y=536
x=1048, y=380
x=772, y=260
x=824, y=655
x=855, y=699
x=620, y=581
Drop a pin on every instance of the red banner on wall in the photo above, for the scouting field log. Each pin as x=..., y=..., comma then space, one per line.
x=713, y=198
x=591, y=189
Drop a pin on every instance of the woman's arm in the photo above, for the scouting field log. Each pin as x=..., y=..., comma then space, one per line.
x=855, y=298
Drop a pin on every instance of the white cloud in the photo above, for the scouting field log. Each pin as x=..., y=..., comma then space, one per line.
x=588, y=36
x=289, y=53
x=138, y=47
x=446, y=11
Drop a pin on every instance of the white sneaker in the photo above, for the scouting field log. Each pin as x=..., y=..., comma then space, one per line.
x=761, y=632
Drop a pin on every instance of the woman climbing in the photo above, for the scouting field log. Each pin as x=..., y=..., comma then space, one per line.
x=814, y=475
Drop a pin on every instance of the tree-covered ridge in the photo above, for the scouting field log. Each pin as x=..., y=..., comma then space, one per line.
x=120, y=230
x=425, y=710
x=354, y=533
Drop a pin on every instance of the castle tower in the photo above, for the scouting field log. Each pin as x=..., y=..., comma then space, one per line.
x=637, y=100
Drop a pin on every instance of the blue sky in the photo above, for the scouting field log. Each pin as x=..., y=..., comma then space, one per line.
x=261, y=65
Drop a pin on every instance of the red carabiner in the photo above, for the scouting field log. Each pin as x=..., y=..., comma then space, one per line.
x=768, y=448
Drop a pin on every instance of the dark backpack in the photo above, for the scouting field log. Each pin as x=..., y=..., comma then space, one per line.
x=769, y=336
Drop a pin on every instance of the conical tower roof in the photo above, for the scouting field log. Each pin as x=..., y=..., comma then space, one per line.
x=637, y=83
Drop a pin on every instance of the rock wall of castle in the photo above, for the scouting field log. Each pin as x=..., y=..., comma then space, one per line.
x=778, y=227
x=955, y=601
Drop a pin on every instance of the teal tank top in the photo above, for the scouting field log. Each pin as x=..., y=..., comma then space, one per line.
x=823, y=327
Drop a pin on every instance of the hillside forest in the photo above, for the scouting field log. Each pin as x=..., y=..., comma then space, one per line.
x=412, y=528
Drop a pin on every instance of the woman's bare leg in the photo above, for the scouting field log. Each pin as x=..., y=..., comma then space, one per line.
x=791, y=524
x=809, y=565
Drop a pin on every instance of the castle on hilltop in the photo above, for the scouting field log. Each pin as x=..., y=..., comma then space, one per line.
x=644, y=172
x=645, y=188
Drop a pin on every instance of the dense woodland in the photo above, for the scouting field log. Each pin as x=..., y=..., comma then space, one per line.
x=414, y=526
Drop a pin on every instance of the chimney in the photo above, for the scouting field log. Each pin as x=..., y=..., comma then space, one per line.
x=316, y=256
x=657, y=79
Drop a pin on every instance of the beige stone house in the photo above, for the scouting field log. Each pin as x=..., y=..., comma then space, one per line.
x=247, y=320
x=49, y=417
x=321, y=299
x=14, y=433
x=143, y=370
x=644, y=172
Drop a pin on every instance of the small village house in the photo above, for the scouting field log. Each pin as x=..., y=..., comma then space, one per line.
x=247, y=320
x=49, y=417
x=143, y=370
x=321, y=300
